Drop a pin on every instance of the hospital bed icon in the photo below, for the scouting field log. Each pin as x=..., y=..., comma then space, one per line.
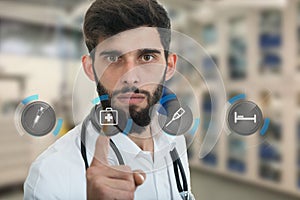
x=242, y=118
x=245, y=118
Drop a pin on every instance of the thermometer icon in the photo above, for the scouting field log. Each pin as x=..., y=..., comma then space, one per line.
x=176, y=115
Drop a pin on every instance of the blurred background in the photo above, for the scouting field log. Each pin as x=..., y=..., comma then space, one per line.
x=254, y=43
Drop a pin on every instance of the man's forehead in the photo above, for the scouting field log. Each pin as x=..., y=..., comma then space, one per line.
x=131, y=40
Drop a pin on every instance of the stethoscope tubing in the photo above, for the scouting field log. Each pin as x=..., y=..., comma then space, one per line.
x=177, y=164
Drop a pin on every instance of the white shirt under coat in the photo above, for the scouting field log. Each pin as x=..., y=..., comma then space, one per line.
x=59, y=172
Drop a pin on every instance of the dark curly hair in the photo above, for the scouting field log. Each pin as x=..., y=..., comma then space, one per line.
x=106, y=18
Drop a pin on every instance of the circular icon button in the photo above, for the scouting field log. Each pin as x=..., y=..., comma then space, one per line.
x=38, y=118
x=244, y=118
x=178, y=120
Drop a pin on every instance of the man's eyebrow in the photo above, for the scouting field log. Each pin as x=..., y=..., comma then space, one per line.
x=110, y=53
x=145, y=51
x=119, y=53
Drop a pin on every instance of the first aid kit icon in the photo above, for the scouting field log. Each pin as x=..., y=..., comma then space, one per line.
x=109, y=117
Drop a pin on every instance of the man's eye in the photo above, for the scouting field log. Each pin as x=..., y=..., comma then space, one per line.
x=147, y=58
x=112, y=58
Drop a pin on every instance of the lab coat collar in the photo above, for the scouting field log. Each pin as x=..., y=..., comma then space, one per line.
x=163, y=143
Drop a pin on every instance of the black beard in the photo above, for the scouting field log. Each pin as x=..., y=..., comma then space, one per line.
x=140, y=118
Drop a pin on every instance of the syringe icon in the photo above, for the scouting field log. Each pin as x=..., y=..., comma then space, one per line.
x=176, y=115
x=39, y=113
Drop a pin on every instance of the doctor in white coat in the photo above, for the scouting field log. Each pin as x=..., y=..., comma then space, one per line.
x=129, y=62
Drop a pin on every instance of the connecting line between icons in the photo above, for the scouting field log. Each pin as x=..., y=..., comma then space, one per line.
x=101, y=98
x=58, y=127
x=265, y=126
x=195, y=127
x=237, y=98
x=30, y=98
x=128, y=126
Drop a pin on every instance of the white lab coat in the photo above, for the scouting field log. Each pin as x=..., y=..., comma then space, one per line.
x=59, y=172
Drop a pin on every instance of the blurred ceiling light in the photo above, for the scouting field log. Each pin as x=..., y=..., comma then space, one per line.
x=79, y=11
x=16, y=46
x=205, y=12
x=40, y=14
x=253, y=3
x=30, y=12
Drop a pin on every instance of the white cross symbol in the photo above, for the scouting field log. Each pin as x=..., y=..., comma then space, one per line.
x=108, y=117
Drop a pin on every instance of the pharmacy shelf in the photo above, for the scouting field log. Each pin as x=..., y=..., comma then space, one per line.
x=248, y=38
x=17, y=152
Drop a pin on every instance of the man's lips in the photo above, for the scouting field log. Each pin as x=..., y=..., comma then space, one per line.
x=131, y=98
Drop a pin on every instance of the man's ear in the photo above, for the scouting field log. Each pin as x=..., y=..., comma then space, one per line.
x=87, y=64
x=171, y=68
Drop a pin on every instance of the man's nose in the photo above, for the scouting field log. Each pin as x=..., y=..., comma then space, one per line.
x=131, y=75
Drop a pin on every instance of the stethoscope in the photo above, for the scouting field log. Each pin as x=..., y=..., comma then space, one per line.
x=93, y=117
x=177, y=164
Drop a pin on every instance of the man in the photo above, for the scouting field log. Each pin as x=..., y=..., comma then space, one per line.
x=128, y=42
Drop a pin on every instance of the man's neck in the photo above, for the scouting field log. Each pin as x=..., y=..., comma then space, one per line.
x=143, y=140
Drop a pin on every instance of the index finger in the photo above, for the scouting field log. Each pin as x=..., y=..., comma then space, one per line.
x=101, y=151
